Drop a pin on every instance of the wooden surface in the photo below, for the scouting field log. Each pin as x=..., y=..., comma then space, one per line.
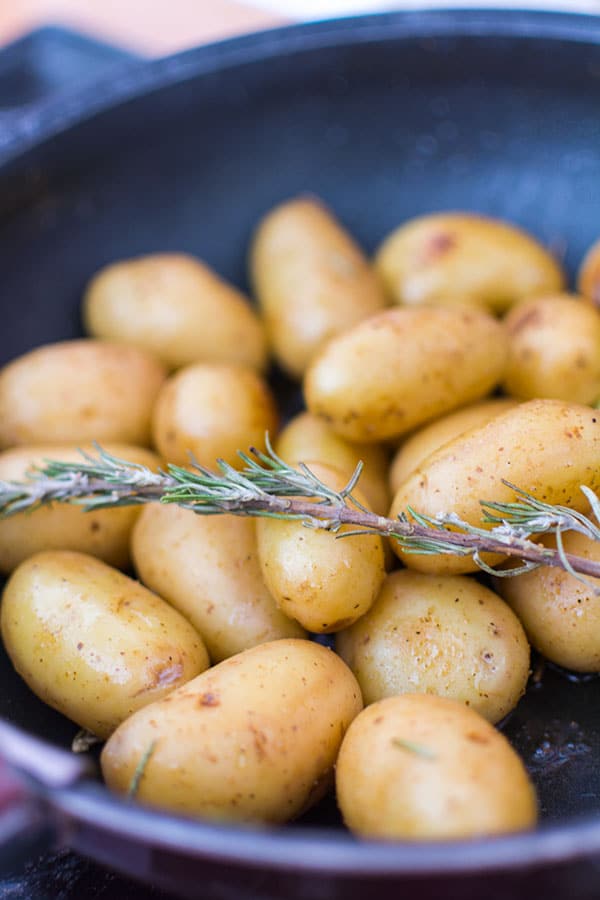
x=150, y=26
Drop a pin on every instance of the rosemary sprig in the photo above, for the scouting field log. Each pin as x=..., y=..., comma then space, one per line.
x=268, y=486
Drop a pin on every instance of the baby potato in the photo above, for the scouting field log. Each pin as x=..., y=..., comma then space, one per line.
x=323, y=582
x=177, y=308
x=588, y=280
x=311, y=280
x=103, y=533
x=207, y=567
x=457, y=258
x=79, y=391
x=439, y=634
x=419, y=767
x=560, y=613
x=554, y=350
x=212, y=411
x=306, y=438
x=252, y=740
x=418, y=446
x=92, y=643
x=403, y=367
x=548, y=448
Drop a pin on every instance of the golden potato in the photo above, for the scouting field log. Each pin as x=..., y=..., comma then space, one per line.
x=418, y=446
x=207, y=567
x=404, y=367
x=458, y=258
x=311, y=280
x=439, y=634
x=177, y=308
x=212, y=411
x=103, y=533
x=323, y=582
x=560, y=613
x=307, y=438
x=588, y=279
x=92, y=643
x=419, y=767
x=548, y=448
x=253, y=740
x=79, y=391
x=554, y=350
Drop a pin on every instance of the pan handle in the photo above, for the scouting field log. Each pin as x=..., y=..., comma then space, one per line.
x=29, y=770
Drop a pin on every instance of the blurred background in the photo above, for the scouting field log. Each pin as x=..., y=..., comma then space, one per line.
x=158, y=27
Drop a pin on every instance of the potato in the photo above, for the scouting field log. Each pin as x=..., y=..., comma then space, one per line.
x=207, y=567
x=588, y=279
x=177, y=308
x=457, y=258
x=323, y=582
x=419, y=767
x=418, y=446
x=310, y=279
x=548, y=448
x=78, y=391
x=554, y=350
x=439, y=634
x=560, y=613
x=307, y=438
x=92, y=643
x=404, y=367
x=212, y=411
x=103, y=533
x=253, y=740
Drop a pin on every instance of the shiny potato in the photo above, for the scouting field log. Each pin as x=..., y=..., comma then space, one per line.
x=207, y=567
x=402, y=368
x=457, y=258
x=323, y=582
x=104, y=533
x=560, y=613
x=439, y=634
x=588, y=279
x=306, y=438
x=79, y=391
x=548, y=448
x=419, y=767
x=212, y=411
x=92, y=643
x=418, y=446
x=311, y=280
x=177, y=308
x=554, y=350
x=252, y=740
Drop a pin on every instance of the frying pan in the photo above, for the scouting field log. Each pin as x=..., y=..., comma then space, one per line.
x=384, y=117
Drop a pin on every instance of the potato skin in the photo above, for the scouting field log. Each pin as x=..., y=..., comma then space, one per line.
x=548, y=448
x=419, y=767
x=306, y=438
x=207, y=568
x=444, y=635
x=212, y=411
x=321, y=581
x=177, y=308
x=588, y=279
x=92, y=643
x=254, y=739
x=311, y=280
x=418, y=446
x=457, y=258
x=554, y=350
x=105, y=533
x=403, y=367
x=560, y=613
x=79, y=391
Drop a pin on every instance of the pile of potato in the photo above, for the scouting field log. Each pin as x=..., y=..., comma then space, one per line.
x=407, y=366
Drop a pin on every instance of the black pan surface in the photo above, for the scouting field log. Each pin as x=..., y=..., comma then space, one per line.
x=384, y=117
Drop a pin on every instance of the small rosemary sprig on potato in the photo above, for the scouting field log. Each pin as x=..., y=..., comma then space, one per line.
x=268, y=486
